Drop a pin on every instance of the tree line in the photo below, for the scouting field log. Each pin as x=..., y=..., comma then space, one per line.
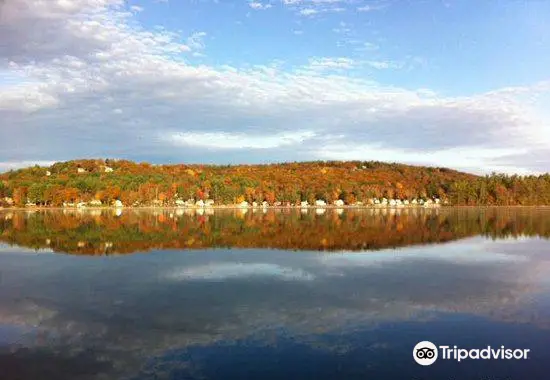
x=351, y=181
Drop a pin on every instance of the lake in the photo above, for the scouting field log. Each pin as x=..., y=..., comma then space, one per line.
x=272, y=294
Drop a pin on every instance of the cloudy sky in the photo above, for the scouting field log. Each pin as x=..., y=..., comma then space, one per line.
x=457, y=83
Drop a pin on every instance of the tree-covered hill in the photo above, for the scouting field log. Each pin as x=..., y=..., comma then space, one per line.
x=352, y=181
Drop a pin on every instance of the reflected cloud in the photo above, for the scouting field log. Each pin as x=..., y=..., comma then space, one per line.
x=238, y=270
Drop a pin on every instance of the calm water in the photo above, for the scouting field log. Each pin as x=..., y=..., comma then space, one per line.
x=277, y=295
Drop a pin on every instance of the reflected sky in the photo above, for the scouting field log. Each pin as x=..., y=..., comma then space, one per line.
x=225, y=313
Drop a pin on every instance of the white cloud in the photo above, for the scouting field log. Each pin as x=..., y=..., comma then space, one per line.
x=383, y=65
x=314, y=7
x=331, y=63
x=105, y=86
x=373, y=6
x=12, y=165
x=259, y=6
x=308, y=12
x=467, y=159
x=223, y=140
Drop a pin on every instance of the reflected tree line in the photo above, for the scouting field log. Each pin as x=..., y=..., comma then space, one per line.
x=103, y=232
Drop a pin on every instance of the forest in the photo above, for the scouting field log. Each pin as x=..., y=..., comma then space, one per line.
x=145, y=184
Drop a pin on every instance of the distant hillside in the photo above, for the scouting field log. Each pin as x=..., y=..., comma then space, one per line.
x=351, y=181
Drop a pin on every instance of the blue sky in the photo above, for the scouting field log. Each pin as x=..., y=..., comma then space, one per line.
x=458, y=83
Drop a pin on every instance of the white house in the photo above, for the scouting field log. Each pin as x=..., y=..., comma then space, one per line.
x=406, y=202
x=437, y=201
x=278, y=204
x=320, y=203
x=254, y=204
x=338, y=202
x=81, y=205
x=95, y=202
x=48, y=173
x=376, y=201
x=180, y=203
x=414, y=201
x=118, y=203
x=200, y=203
x=303, y=204
x=393, y=202
x=81, y=170
x=108, y=169
x=209, y=202
x=384, y=201
x=243, y=204
x=265, y=204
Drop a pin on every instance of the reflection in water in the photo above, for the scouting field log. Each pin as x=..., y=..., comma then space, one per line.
x=273, y=314
x=98, y=232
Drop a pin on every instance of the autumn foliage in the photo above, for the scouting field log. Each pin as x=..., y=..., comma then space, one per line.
x=351, y=181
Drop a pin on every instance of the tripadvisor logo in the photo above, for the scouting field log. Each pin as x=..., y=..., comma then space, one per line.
x=426, y=353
